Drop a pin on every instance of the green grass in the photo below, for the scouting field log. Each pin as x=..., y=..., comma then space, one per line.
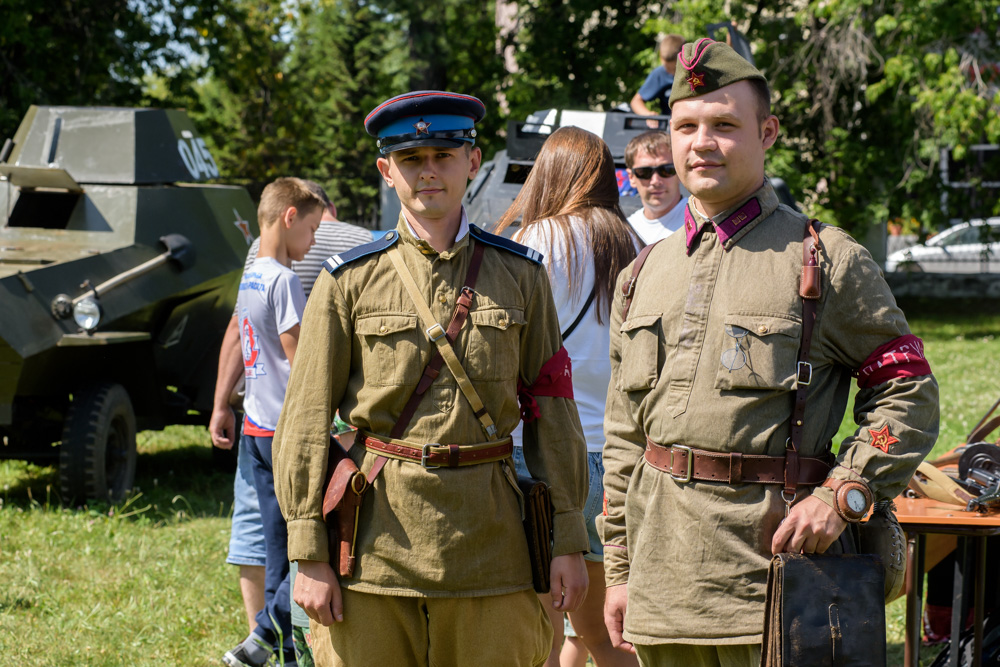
x=145, y=582
x=140, y=583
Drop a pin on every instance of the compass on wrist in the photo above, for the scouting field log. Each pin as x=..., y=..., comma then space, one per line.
x=851, y=499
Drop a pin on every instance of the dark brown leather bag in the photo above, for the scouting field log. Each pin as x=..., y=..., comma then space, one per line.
x=538, y=530
x=345, y=489
x=824, y=610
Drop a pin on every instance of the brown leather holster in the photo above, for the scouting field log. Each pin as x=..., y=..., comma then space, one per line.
x=345, y=489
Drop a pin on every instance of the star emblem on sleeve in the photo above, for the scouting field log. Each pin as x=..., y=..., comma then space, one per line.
x=421, y=127
x=882, y=438
x=696, y=80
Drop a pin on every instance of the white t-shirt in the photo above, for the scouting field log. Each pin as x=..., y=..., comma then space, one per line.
x=270, y=302
x=651, y=231
x=588, y=344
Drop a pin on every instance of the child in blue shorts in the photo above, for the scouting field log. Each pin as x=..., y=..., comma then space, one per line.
x=269, y=309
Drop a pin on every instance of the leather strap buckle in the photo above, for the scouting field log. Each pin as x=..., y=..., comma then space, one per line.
x=425, y=452
x=683, y=479
x=438, y=331
x=629, y=287
x=804, y=373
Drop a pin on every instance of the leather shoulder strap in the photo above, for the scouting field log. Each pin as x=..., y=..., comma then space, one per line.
x=437, y=335
x=810, y=291
x=628, y=289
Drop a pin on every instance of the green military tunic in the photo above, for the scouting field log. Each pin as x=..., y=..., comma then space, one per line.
x=445, y=532
x=695, y=555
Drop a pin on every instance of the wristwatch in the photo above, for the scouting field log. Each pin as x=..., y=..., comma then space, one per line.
x=851, y=499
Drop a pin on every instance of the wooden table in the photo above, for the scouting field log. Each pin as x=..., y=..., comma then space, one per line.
x=920, y=517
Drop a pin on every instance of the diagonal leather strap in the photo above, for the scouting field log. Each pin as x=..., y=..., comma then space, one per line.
x=628, y=289
x=809, y=290
x=433, y=368
x=437, y=335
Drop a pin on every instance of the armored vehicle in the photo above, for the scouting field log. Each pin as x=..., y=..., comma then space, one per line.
x=118, y=275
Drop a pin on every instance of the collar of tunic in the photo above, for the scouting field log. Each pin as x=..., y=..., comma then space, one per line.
x=733, y=224
x=409, y=235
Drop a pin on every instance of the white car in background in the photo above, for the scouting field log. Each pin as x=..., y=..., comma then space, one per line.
x=958, y=249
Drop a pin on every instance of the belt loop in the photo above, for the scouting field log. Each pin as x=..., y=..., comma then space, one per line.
x=453, y=456
x=735, y=468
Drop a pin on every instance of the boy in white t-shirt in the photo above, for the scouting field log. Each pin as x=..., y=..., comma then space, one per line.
x=269, y=309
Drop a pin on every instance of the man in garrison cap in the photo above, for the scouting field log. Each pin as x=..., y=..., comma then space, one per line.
x=727, y=389
x=442, y=574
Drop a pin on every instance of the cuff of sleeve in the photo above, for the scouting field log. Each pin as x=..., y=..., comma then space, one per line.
x=307, y=540
x=569, y=530
x=615, y=564
x=826, y=494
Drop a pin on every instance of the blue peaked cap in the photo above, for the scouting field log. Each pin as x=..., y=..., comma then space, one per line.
x=425, y=118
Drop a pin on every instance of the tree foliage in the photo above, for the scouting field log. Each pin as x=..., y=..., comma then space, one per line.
x=868, y=92
x=91, y=52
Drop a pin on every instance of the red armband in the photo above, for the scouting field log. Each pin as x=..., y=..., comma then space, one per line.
x=901, y=357
x=555, y=379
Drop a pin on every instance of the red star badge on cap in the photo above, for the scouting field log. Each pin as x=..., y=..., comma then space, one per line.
x=421, y=127
x=696, y=80
x=882, y=438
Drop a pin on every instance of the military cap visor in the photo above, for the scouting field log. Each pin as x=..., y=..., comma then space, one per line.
x=705, y=66
x=425, y=118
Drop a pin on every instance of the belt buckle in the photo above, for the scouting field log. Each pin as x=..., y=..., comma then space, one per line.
x=425, y=451
x=804, y=373
x=683, y=479
x=438, y=332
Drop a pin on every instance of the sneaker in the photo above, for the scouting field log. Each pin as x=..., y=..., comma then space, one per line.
x=240, y=656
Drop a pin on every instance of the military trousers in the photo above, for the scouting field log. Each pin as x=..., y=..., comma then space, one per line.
x=386, y=630
x=692, y=655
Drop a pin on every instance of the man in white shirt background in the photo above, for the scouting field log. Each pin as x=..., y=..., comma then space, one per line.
x=651, y=172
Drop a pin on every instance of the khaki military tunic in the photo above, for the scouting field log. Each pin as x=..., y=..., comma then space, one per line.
x=445, y=532
x=695, y=555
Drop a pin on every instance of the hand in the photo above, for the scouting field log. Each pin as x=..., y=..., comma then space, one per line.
x=317, y=591
x=222, y=427
x=569, y=581
x=615, y=602
x=810, y=527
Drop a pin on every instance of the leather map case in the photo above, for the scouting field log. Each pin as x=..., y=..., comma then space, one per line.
x=824, y=610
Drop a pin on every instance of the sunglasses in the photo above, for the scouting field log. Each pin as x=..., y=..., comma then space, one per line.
x=664, y=170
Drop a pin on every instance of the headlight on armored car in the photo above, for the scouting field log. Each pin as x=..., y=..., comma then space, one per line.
x=87, y=313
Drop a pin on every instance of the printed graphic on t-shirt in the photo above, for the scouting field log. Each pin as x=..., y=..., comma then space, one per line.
x=251, y=349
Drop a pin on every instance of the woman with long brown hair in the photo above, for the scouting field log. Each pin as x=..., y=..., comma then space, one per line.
x=569, y=211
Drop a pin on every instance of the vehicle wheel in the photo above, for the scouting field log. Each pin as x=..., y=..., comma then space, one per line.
x=97, y=456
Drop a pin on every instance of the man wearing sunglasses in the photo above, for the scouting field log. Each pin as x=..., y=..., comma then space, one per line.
x=651, y=172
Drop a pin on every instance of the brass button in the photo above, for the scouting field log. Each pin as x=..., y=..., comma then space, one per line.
x=443, y=299
x=502, y=323
x=762, y=329
x=383, y=329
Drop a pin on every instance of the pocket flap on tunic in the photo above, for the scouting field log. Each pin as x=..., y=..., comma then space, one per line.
x=761, y=324
x=498, y=318
x=384, y=325
x=640, y=321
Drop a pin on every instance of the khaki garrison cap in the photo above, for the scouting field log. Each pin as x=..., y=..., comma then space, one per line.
x=705, y=66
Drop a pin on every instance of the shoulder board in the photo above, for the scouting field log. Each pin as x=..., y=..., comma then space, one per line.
x=363, y=250
x=506, y=244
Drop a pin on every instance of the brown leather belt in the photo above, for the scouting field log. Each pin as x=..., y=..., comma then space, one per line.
x=684, y=464
x=434, y=455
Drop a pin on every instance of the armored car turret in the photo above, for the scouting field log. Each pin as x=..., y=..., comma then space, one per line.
x=118, y=274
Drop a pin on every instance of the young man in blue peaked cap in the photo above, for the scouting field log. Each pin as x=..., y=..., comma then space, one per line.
x=442, y=574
